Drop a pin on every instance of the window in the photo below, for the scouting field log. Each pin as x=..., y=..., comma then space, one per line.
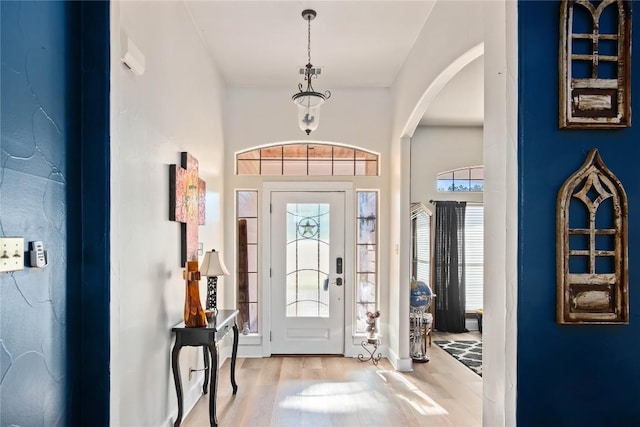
x=420, y=243
x=367, y=253
x=474, y=255
x=469, y=179
x=307, y=159
x=307, y=259
x=247, y=229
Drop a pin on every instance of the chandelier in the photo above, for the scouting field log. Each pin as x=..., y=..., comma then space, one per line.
x=309, y=101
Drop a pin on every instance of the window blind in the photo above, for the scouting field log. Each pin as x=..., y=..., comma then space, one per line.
x=421, y=243
x=474, y=254
x=423, y=248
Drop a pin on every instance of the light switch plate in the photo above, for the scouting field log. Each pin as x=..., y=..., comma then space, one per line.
x=11, y=254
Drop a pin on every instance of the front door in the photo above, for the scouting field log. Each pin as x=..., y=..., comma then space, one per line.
x=307, y=275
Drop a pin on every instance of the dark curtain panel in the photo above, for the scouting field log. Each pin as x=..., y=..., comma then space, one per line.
x=449, y=267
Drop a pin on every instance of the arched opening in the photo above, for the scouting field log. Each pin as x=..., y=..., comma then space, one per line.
x=500, y=199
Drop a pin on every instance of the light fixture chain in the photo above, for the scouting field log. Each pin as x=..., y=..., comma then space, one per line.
x=309, y=40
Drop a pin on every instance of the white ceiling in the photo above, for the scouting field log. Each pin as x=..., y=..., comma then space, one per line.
x=263, y=43
x=461, y=101
x=359, y=44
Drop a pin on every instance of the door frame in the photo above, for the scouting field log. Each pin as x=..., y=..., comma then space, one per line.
x=349, y=252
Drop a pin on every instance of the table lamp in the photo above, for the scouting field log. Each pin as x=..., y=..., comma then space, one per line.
x=212, y=267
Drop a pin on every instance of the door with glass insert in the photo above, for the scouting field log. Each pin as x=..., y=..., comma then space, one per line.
x=307, y=275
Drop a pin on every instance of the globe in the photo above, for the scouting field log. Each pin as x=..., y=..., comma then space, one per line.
x=420, y=294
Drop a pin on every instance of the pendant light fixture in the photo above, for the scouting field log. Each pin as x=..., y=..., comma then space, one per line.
x=309, y=101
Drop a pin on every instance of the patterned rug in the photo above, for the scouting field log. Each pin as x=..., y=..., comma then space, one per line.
x=467, y=352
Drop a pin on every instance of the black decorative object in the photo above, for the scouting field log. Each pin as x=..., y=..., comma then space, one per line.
x=212, y=267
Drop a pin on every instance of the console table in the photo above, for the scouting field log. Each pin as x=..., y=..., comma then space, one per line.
x=206, y=337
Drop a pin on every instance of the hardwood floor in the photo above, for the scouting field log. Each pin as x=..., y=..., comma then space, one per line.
x=338, y=391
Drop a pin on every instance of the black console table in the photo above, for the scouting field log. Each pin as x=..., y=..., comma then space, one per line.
x=206, y=337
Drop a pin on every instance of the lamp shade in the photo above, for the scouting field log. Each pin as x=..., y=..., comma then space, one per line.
x=212, y=265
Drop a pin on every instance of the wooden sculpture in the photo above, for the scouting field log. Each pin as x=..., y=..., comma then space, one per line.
x=194, y=315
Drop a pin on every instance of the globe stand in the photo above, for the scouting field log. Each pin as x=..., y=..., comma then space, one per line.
x=421, y=320
x=418, y=343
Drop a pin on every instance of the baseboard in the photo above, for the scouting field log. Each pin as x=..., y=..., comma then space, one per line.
x=191, y=397
x=471, y=324
x=250, y=351
x=400, y=364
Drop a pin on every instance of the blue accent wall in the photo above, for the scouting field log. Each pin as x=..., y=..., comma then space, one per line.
x=568, y=375
x=54, y=187
x=37, y=133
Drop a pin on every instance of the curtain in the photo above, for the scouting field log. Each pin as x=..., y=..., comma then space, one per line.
x=449, y=266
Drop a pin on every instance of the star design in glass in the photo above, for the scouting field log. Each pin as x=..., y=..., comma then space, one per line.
x=307, y=228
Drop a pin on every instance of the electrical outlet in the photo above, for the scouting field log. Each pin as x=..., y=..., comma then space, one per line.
x=11, y=253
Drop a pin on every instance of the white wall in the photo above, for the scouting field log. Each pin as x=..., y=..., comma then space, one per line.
x=501, y=214
x=438, y=149
x=425, y=72
x=177, y=105
x=451, y=38
x=357, y=117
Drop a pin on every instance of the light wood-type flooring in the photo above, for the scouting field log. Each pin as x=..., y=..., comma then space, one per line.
x=337, y=391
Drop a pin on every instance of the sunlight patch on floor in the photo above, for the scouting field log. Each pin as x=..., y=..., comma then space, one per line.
x=411, y=394
x=332, y=397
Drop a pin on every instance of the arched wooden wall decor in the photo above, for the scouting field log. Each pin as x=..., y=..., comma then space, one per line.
x=591, y=246
x=595, y=64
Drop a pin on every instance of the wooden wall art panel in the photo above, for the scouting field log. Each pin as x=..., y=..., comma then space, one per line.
x=595, y=64
x=592, y=246
x=187, y=194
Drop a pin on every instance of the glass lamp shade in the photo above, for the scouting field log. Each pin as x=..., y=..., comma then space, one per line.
x=309, y=104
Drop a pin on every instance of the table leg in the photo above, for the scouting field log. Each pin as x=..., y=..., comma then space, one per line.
x=205, y=353
x=176, y=378
x=234, y=353
x=214, y=384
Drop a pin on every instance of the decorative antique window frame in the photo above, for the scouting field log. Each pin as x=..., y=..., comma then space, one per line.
x=595, y=102
x=592, y=297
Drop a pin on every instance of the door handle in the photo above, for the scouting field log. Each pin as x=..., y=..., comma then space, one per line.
x=338, y=265
x=339, y=281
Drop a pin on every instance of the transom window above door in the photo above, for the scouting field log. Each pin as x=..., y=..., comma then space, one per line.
x=307, y=159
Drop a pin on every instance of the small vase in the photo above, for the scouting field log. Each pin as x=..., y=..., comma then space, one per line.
x=372, y=325
x=194, y=315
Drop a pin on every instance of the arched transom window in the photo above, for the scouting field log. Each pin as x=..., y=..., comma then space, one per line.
x=469, y=179
x=307, y=159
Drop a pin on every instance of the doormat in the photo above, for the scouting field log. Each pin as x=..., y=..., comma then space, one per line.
x=467, y=352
